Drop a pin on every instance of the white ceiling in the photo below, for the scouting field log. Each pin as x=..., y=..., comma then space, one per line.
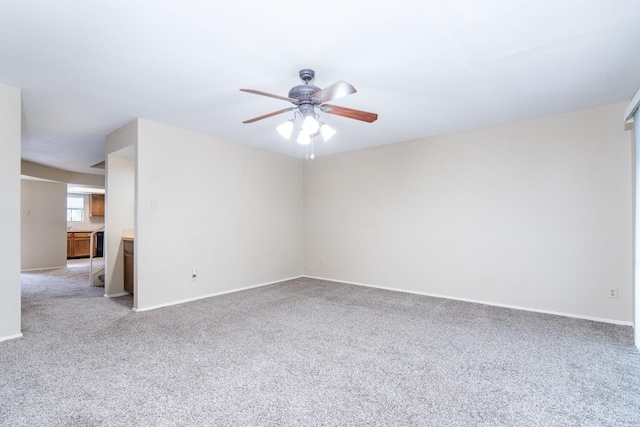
x=426, y=67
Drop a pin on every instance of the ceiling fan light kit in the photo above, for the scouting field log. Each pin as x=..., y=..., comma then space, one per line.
x=285, y=129
x=306, y=97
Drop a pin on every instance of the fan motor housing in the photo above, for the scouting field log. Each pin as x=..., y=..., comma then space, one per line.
x=303, y=93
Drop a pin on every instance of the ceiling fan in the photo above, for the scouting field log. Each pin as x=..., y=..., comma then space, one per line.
x=305, y=98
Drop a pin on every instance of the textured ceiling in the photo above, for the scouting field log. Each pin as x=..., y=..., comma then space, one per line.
x=426, y=67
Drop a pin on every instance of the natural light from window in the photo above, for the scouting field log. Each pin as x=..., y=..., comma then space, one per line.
x=75, y=207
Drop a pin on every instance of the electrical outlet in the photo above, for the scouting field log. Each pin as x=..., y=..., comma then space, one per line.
x=194, y=274
x=613, y=293
x=153, y=205
x=321, y=262
x=25, y=212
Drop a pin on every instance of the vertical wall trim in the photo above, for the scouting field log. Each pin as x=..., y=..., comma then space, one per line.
x=636, y=227
x=10, y=125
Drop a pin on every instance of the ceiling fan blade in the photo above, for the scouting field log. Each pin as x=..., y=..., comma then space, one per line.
x=335, y=91
x=349, y=113
x=259, y=92
x=275, y=113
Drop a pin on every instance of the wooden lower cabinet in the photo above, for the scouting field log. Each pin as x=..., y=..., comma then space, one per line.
x=79, y=245
x=128, y=265
x=69, y=245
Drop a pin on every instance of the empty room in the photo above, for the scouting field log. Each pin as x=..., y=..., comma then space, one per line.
x=340, y=214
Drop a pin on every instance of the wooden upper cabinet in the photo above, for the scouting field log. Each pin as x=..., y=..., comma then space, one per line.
x=96, y=205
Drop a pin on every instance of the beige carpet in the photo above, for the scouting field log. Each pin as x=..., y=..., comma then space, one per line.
x=308, y=353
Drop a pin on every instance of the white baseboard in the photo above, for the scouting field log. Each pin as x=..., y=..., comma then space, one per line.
x=11, y=337
x=153, y=307
x=43, y=268
x=117, y=295
x=514, y=307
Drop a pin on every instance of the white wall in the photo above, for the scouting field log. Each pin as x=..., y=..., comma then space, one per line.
x=120, y=216
x=119, y=202
x=534, y=214
x=231, y=212
x=43, y=234
x=52, y=174
x=10, y=124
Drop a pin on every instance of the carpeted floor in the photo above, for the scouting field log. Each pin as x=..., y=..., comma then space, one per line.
x=308, y=353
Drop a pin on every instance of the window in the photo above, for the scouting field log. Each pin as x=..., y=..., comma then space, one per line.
x=75, y=207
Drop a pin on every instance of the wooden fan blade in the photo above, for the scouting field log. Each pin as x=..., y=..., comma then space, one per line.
x=349, y=113
x=275, y=113
x=259, y=92
x=335, y=91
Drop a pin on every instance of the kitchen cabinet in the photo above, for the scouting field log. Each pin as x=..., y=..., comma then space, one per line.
x=128, y=264
x=69, y=245
x=96, y=205
x=79, y=244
